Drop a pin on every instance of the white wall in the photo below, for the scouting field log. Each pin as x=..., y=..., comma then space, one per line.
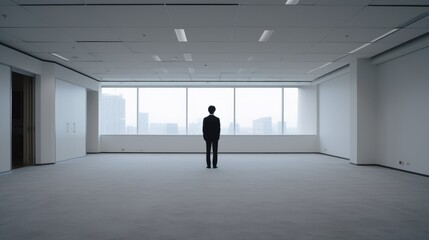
x=334, y=115
x=195, y=143
x=70, y=119
x=402, y=112
x=5, y=119
x=307, y=110
x=46, y=73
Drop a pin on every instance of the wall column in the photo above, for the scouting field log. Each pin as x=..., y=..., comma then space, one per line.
x=5, y=118
x=45, y=115
x=362, y=112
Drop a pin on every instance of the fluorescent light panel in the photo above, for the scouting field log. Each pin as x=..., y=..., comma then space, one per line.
x=385, y=35
x=266, y=35
x=60, y=57
x=359, y=48
x=291, y=2
x=324, y=65
x=181, y=35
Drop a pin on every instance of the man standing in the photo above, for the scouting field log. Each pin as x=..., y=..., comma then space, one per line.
x=211, y=132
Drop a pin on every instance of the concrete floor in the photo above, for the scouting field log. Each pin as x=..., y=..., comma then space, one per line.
x=250, y=196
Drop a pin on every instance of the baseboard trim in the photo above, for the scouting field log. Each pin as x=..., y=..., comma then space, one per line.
x=392, y=168
x=330, y=155
x=402, y=170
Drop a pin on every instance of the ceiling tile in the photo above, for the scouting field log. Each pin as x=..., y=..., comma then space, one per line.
x=154, y=47
x=202, y=16
x=15, y=16
x=405, y=34
x=145, y=34
x=294, y=16
x=7, y=3
x=91, y=34
x=209, y=34
x=384, y=17
x=377, y=48
x=422, y=23
x=333, y=48
x=6, y=37
x=23, y=46
x=107, y=47
x=51, y=47
x=123, y=57
x=102, y=16
x=39, y=34
x=269, y=47
x=355, y=35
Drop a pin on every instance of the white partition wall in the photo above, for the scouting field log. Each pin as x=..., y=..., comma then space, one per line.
x=70, y=120
x=334, y=115
x=402, y=112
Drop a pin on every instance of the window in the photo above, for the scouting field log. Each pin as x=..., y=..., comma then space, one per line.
x=118, y=111
x=258, y=111
x=199, y=99
x=242, y=111
x=162, y=111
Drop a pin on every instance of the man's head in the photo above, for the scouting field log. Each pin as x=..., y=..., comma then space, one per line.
x=212, y=109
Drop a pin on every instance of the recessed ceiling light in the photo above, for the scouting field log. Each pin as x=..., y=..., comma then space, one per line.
x=191, y=70
x=181, y=35
x=385, y=35
x=324, y=65
x=359, y=48
x=266, y=35
x=157, y=58
x=291, y=2
x=60, y=57
x=188, y=57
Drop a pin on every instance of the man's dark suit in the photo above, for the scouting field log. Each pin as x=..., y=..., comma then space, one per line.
x=211, y=132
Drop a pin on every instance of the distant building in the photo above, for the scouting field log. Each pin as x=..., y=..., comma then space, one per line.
x=112, y=114
x=263, y=126
x=164, y=128
x=143, y=125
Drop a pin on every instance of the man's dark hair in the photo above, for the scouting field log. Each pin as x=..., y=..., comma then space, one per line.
x=212, y=109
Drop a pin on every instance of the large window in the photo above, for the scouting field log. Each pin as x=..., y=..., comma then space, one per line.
x=180, y=111
x=258, y=111
x=290, y=110
x=162, y=111
x=118, y=108
x=199, y=99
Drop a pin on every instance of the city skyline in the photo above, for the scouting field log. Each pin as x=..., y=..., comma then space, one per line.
x=121, y=115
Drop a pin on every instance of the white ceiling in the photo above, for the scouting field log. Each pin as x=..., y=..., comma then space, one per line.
x=114, y=40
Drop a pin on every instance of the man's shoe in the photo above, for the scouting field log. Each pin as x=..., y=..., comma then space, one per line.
x=214, y=166
x=208, y=167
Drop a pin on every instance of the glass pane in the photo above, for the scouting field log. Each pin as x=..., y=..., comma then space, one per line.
x=199, y=99
x=118, y=111
x=290, y=110
x=162, y=111
x=258, y=111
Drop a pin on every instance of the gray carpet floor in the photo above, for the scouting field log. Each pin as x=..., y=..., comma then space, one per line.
x=250, y=196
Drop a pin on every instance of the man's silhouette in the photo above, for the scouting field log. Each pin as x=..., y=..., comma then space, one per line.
x=211, y=132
